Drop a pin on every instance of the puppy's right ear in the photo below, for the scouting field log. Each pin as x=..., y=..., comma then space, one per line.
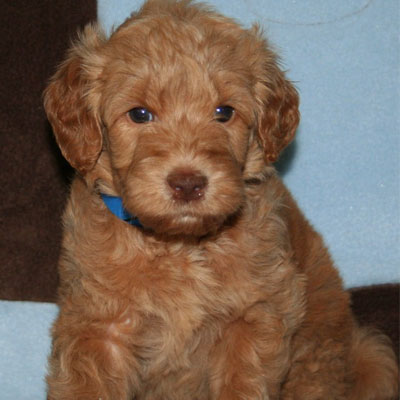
x=69, y=101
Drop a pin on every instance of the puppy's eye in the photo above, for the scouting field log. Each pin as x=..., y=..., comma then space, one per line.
x=223, y=113
x=140, y=115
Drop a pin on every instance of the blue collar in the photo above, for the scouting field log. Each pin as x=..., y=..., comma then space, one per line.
x=114, y=204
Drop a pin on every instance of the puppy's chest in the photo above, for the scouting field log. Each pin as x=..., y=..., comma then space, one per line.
x=196, y=284
x=185, y=302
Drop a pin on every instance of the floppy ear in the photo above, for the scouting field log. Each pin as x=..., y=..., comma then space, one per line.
x=74, y=120
x=278, y=109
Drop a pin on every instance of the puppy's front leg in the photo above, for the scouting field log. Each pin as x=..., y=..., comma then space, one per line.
x=251, y=359
x=91, y=361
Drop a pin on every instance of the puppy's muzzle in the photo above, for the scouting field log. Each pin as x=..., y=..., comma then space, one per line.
x=187, y=185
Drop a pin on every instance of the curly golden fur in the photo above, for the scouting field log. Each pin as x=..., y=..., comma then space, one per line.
x=226, y=292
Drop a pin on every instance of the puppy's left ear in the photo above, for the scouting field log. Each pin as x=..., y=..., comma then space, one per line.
x=69, y=103
x=278, y=108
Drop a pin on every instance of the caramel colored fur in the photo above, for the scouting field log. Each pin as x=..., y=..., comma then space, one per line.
x=229, y=296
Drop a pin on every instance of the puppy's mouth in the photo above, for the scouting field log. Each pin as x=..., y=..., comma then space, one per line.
x=176, y=218
x=185, y=202
x=188, y=224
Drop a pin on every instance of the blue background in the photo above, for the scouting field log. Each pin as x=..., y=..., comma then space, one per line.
x=344, y=167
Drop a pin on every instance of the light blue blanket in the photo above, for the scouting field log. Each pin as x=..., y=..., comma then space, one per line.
x=24, y=346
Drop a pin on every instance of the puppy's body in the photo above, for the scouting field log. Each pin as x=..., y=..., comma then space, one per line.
x=226, y=292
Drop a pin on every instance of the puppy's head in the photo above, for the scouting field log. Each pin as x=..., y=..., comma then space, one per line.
x=181, y=105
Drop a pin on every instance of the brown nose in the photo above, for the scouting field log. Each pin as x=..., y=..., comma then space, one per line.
x=187, y=185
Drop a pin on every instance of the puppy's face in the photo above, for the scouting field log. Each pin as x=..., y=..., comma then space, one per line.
x=183, y=104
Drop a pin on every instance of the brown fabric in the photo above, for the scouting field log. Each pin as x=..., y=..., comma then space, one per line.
x=33, y=175
x=378, y=306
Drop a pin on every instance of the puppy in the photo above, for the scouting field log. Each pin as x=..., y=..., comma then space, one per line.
x=187, y=270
